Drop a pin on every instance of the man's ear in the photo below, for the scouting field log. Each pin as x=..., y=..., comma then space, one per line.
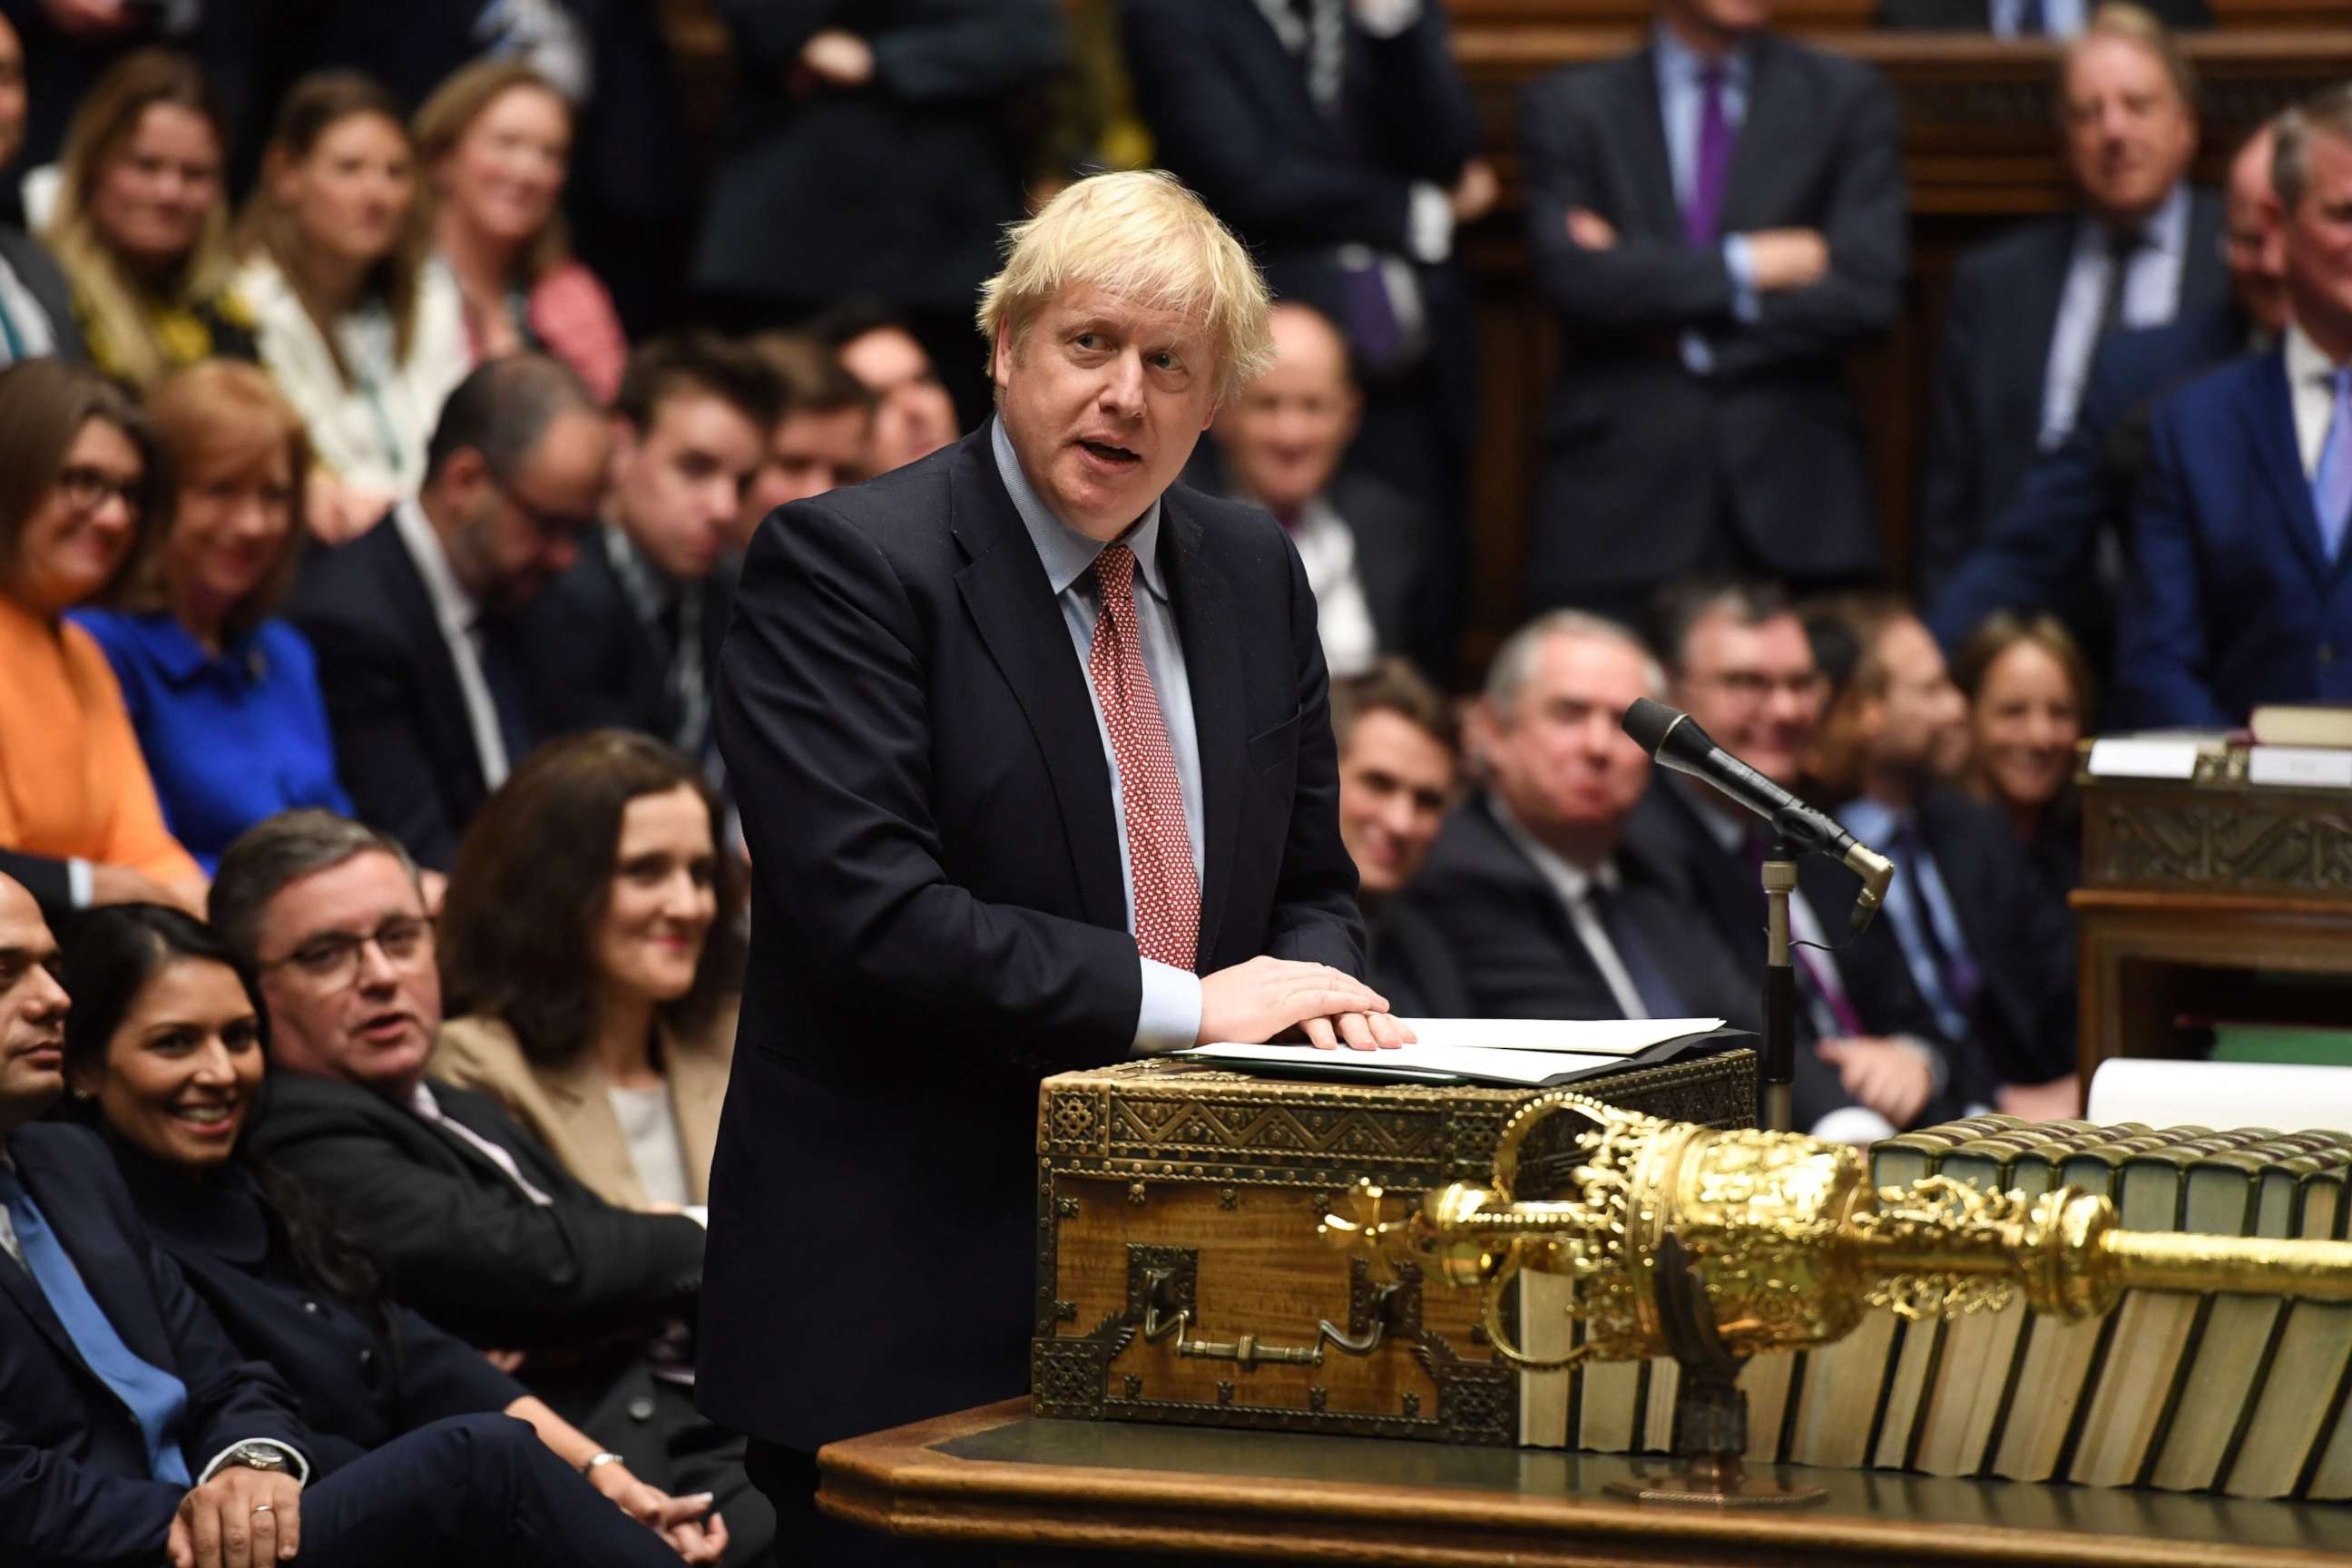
x=625, y=446
x=999, y=357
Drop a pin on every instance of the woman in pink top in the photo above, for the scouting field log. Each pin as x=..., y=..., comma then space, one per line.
x=495, y=142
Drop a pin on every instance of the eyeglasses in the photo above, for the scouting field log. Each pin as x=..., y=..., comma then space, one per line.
x=1749, y=687
x=332, y=958
x=548, y=525
x=87, y=488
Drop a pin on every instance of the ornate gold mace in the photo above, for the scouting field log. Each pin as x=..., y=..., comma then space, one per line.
x=1711, y=1247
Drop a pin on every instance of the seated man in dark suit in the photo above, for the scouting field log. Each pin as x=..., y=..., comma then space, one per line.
x=36, y=304
x=1279, y=446
x=1967, y=922
x=423, y=666
x=2237, y=594
x=2059, y=545
x=130, y=1433
x=1399, y=764
x=629, y=637
x=1552, y=913
x=476, y=1224
x=2030, y=308
x=1739, y=662
x=1717, y=219
x=2024, y=18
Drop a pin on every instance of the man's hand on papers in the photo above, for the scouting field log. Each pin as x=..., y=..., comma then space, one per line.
x=1258, y=1000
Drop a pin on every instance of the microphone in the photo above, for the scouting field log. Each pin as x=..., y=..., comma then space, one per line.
x=1675, y=740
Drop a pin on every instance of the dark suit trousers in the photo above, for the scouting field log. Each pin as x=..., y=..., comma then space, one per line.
x=474, y=1492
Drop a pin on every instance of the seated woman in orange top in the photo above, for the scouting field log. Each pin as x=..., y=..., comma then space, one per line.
x=79, y=483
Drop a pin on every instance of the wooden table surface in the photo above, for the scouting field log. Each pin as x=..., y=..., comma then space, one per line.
x=1038, y=1491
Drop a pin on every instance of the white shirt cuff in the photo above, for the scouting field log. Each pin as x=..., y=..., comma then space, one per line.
x=1853, y=1124
x=1386, y=18
x=1746, y=303
x=1429, y=223
x=81, y=885
x=698, y=1213
x=293, y=1455
x=1169, y=1017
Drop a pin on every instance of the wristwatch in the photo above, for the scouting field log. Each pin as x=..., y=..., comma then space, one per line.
x=259, y=1456
x=589, y=1465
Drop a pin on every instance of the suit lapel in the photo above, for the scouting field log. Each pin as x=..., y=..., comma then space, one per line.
x=88, y=1239
x=577, y=1091
x=1642, y=135
x=1213, y=666
x=2204, y=280
x=420, y=623
x=2269, y=419
x=1010, y=601
x=1770, y=126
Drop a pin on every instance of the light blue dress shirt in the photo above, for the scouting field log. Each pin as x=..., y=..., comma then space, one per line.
x=1169, y=1019
x=1917, y=893
x=1681, y=100
x=2060, y=18
x=2151, y=298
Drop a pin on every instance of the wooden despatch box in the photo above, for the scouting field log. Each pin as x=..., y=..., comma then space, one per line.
x=1180, y=1202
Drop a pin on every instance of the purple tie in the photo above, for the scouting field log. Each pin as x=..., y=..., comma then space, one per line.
x=1705, y=205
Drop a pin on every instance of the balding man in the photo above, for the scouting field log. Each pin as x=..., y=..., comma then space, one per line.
x=2029, y=308
x=1555, y=914
x=1281, y=442
x=1036, y=772
x=425, y=669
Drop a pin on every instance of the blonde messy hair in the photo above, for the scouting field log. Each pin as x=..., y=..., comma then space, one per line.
x=1143, y=237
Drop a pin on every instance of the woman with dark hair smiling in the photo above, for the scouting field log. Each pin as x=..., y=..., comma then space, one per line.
x=2029, y=690
x=164, y=1051
x=590, y=958
x=225, y=695
x=79, y=483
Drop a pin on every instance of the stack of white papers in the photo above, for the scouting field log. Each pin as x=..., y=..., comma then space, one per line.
x=1527, y=1052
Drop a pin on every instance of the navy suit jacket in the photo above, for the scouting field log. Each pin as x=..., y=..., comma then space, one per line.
x=2041, y=552
x=1991, y=365
x=2230, y=601
x=75, y=1489
x=403, y=744
x=363, y=1382
x=938, y=917
x=1646, y=460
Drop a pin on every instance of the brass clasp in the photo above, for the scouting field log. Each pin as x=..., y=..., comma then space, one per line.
x=1250, y=1351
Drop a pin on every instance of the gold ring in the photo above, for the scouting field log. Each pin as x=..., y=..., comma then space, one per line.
x=265, y=1508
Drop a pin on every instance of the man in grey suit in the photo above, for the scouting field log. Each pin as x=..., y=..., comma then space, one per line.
x=1717, y=218
x=36, y=306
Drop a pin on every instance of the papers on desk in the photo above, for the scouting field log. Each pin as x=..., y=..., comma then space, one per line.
x=1525, y=1051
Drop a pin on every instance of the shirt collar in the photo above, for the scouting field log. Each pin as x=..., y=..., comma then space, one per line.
x=421, y=1100
x=1573, y=881
x=2165, y=230
x=1874, y=821
x=2304, y=362
x=1068, y=554
x=1679, y=63
x=452, y=606
x=1730, y=832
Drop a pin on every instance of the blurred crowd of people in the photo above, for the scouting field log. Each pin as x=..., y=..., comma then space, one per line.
x=381, y=431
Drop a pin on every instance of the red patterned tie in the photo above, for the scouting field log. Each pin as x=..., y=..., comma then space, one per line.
x=1159, y=849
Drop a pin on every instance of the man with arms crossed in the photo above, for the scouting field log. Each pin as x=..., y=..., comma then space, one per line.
x=1037, y=774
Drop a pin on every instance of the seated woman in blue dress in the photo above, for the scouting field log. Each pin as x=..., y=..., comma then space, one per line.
x=164, y=1053
x=224, y=698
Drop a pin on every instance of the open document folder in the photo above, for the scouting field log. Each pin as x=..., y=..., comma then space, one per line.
x=1529, y=1051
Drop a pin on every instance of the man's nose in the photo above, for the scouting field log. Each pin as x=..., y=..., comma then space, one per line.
x=1122, y=384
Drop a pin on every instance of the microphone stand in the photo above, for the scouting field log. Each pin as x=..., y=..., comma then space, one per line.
x=1775, y=1110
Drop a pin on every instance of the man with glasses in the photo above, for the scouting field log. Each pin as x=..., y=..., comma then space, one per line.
x=1739, y=662
x=431, y=692
x=478, y=1225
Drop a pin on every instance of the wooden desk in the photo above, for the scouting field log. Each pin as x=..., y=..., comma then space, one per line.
x=1071, y=1492
x=2189, y=889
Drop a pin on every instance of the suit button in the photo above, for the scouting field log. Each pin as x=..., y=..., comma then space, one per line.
x=641, y=1409
x=367, y=1360
x=310, y=1307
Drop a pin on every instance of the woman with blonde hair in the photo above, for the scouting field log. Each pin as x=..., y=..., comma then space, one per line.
x=225, y=697
x=140, y=225
x=363, y=333
x=495, y=144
